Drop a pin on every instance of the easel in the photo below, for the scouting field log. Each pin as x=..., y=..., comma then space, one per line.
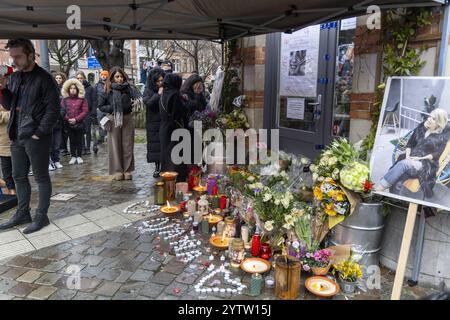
x=404, y=251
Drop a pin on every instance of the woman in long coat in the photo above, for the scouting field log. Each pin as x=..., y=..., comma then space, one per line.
x=173, y=116
x=152, y=95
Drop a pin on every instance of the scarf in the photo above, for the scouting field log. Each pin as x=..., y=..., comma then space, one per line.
x=118, y=90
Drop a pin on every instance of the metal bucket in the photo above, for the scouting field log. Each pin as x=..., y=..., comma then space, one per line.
x=364, y=231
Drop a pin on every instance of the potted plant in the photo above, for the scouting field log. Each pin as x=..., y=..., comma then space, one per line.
x=321, y=262
x=348, y=272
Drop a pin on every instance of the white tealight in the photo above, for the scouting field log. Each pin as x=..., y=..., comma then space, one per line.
x=209, y=290
x=234, y=291
x=197, y=289
x=229, y=290
x=222, y=290
x=216, y=289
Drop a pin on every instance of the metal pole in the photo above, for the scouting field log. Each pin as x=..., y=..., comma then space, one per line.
x=419, y=248
x=222, y=45
x=444, y=42
x=43, y=47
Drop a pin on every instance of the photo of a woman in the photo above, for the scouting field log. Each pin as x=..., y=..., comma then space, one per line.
x=421, y=159
x=410, y=158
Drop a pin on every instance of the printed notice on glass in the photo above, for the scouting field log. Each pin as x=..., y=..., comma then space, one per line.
x=296, y=109
x=299, y=62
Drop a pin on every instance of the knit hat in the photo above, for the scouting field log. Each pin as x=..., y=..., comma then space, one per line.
x=104, y=73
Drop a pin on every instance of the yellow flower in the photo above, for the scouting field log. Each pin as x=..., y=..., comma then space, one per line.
x=318, y=193
x=340, y=196
x=329, y=209
x=331, y=194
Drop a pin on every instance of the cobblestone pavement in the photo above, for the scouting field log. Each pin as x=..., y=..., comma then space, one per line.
x=122, y=263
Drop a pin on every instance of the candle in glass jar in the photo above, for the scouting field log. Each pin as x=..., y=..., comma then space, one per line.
x=191, y=207
x=159, y=193
x=205, y=225
x=223, y=202
x=211, y=182
x=245, y=234
x=256, y=284
x=215, y=202
x=182, y=187
x=256, y=244
x=220, y=227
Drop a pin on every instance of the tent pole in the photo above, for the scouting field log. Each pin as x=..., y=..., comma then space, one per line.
x=443, y=55
x=43, y=48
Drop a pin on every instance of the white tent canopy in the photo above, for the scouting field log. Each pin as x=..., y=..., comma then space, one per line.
x=177, y=19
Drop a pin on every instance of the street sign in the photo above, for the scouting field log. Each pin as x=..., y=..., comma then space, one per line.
x=93, y=63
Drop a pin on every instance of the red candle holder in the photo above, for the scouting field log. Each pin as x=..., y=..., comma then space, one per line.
x=256, y=244
x=266, y=252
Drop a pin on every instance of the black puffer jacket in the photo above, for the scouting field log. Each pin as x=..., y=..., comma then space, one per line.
x=153, y=118
x=40, y=104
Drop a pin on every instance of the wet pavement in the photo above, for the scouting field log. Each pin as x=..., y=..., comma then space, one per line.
x=107, y=254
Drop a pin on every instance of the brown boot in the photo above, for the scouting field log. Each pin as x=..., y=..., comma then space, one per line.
x=128, y=176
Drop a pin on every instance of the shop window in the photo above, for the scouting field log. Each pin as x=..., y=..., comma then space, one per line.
x=344, y=77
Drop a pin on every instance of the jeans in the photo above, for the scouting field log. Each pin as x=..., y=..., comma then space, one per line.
x=56, y=144
x=401, y=171
x=76, y=144
x=7, y=172
x=36, y=153
x=64, y=137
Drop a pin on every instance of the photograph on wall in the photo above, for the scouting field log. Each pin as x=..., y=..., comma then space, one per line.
x=411, y=157
x=299, y=62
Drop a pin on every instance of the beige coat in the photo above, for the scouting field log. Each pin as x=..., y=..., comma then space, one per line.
x=5, y=150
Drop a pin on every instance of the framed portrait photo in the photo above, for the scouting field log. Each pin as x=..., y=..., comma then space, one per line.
x=410, y=160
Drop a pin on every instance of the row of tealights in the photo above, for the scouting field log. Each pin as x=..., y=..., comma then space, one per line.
x=186, y=249
x=145, y=204
x=162, y=227
x=239, y=287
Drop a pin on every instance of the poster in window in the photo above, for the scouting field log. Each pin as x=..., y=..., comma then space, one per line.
x=296, y=108
x=299, y=63
x=411, y=156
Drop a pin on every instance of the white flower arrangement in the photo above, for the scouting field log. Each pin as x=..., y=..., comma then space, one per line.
x=268, y=225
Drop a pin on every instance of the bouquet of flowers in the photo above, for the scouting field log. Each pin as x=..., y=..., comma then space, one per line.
x=237, y=119
x=331, y=199
x=336, y=156
x=207, y=118
x=348, y=271
x=322, y=258
x=355, y=177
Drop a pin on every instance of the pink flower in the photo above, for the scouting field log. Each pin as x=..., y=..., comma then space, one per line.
x=306, y=268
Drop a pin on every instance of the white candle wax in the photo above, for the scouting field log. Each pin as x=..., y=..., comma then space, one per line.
x=245, y=234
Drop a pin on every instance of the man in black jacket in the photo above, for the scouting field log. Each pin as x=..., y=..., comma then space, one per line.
x=32, y=96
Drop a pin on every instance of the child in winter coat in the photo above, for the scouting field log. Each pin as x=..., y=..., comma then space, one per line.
x=75, y=111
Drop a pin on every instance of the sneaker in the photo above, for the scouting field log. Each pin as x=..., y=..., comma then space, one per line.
x=51, y=167
x=73, y=160
x=79, y=160
x=58, y=165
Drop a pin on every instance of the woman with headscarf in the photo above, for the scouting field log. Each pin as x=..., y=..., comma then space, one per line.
x=117, y=103
x=152, y=95
x=173, y=116
x=193, y=93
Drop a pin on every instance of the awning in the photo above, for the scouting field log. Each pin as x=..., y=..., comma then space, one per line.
x=177, y=19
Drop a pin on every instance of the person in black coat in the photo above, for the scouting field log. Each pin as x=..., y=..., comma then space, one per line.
x=421, y=159
x=173, y=116
x=195, y=101
x=152, y=94
x=91, y=97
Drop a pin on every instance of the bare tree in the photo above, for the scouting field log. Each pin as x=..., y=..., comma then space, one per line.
x=67, y=52
x=157, y=49
x=205, y=55
x=109, y=53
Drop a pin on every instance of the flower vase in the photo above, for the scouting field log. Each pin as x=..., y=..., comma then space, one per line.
x=347, y=286
x=321, y=271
